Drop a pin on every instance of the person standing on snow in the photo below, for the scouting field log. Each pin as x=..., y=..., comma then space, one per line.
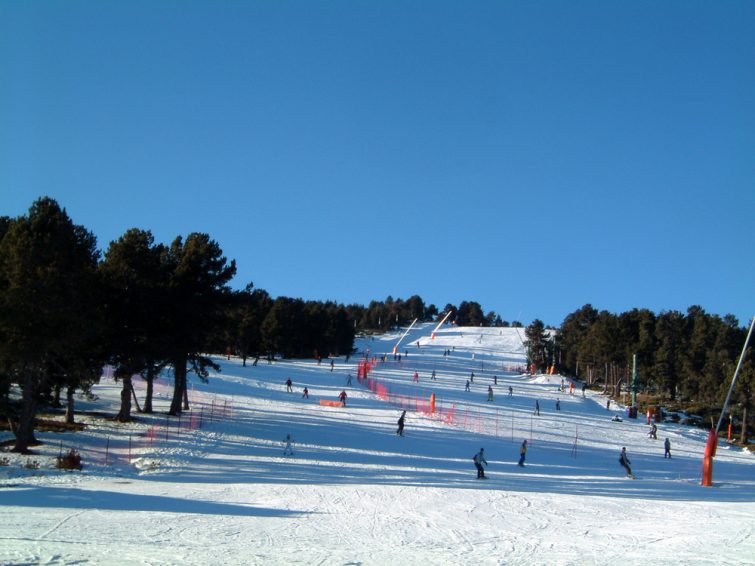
x=653, y=433
x=305, y=394
x=522, y=452
x=289, y=449
x=537, y=407
x=667, y=449
x=490, y=393
x=466, y=387
x=342, y=398
x=289, y=386
x=400, y=430
x=479, y=460
x=624, y=461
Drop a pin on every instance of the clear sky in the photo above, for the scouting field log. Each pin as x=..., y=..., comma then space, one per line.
x=530, y=156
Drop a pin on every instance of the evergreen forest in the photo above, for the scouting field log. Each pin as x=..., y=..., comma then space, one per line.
x=68, y=308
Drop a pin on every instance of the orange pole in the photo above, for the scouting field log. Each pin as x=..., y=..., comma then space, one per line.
x=710, y=452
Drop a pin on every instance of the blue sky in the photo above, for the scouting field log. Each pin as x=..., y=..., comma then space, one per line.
x=530, y=156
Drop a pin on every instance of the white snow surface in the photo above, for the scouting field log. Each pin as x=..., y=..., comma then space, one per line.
x=218, y=490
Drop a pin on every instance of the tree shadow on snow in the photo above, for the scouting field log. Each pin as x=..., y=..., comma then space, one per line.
x=71, y=497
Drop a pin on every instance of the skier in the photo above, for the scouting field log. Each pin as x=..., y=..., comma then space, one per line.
x=348, y=380
x=306, y=394
x=342, y=398
x=416, y=377
x=289, y=449
x=433, y=376
x=479, y=460
x=624, y=461
x=608, y=405
x=522, y=452
x=471, y=377
x=495, y=380
x=558, y=404
x=400, y=430
x=289, y=386
x=331, y=366
x=466, y=387
x=537, y=407
x=490, y=393
x=667, y=449
x=511, y=391
x=584, y=388
x=653, y=433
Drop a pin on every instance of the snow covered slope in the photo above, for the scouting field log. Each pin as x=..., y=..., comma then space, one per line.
x=217, y=488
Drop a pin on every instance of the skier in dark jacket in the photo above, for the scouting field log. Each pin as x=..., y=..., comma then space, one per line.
x=400, y=430
x=624, y=461
x=667, y=448
x=653, y=433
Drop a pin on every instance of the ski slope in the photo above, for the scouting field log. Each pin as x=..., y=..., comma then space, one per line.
x=217, y=489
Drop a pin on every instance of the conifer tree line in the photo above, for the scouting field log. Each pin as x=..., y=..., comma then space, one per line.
x=684, y=357
x=67, y=309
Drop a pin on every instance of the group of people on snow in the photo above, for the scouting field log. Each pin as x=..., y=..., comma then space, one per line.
x=480, y=461
x=479, y=458
x=305, y=392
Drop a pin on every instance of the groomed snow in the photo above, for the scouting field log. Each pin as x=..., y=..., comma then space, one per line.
x=218, y=489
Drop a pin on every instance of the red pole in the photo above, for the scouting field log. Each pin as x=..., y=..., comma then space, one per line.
x=710, y=452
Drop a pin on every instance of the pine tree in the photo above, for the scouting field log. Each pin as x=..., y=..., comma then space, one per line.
x=196, y=296
x=669, y=333
x=537, y=343
x=135, y=279
x=47, y=265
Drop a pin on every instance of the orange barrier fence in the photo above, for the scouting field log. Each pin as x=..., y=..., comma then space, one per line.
x=123, y=446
